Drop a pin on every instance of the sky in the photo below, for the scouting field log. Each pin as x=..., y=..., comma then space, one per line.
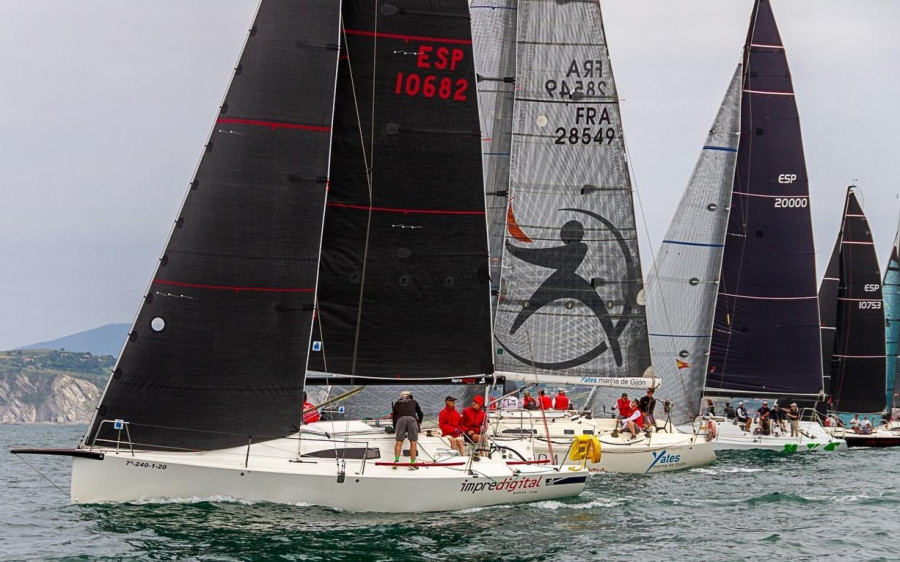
x=105, y=106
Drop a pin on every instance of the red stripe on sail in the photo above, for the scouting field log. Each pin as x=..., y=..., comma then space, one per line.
x=404, y=211
x=407, y=37
x=236, y=289
x=272, y=124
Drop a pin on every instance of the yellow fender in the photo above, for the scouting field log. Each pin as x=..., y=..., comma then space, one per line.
x=585, y=448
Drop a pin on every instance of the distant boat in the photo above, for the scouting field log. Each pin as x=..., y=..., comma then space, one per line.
x=853, y=318
x=571, y=306
x=335, y=227
x=756, y=334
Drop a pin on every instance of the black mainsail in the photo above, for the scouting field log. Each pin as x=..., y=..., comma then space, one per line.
x=766, y=330
x=851, y=297
x=404, y=287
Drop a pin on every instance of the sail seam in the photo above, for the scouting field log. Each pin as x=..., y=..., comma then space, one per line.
x=379, y=34
x=404, y=211
x=236, y=288
x=769, y=298
x=272, y=124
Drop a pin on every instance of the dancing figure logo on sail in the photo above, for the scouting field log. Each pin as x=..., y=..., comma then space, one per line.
x=566, y=284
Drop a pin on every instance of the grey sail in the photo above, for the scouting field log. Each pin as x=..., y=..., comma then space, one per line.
x=571, y=300
x=683, y=284
x=494, y=42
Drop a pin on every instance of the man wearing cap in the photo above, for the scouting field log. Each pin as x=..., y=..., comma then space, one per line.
x=764, y=413
x=561, y=402
x=474, y=421
x=544, y=401
x=794, y=416
x=406, y=416
x=449, y=421
x=647, y=404
x=742, y=417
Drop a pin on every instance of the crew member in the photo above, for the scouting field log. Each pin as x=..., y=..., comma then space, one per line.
x=407, y=416
x=449, y=421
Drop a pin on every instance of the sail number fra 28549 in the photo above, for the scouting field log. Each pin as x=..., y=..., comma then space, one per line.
x=434, y=85
x=598, y=131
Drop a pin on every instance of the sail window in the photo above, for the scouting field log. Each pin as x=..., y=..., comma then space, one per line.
x=570, y=305
x=610, y=304
x=541, y=121
x=158, y=324
x=683, y=353
x=712, y=206
x=694, y=281
x=525, y=304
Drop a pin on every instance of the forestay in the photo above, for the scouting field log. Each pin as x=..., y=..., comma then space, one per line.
x=683, y=284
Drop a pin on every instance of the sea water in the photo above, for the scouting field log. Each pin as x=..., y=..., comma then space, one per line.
x=750, y=505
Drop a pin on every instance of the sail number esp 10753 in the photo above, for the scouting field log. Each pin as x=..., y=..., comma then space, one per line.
x=434, y=85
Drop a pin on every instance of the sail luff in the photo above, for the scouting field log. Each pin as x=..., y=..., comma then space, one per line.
x=828, y=302
x=766, y=335
x=683, y=283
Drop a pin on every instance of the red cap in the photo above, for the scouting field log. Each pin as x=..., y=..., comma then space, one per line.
x=479, y=399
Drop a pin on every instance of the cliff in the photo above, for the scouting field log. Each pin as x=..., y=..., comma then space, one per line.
x=44, y=386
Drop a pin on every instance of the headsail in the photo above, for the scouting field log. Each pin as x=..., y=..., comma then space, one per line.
x=571, y=299
x=404, y=292
x=766, y=329
x=891, y=293
x=683, y=284
x=857, y=366
x=494, y=37
x=218, y=347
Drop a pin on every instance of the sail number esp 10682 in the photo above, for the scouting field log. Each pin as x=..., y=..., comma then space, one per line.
x=434, y=85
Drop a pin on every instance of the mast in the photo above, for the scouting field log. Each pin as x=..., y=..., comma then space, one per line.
x=682, y=286
x=571, y=293
x=766, y=331
x=217, y=351
x=858, y=366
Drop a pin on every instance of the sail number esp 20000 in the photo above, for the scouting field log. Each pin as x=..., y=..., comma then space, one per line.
x=434, y=85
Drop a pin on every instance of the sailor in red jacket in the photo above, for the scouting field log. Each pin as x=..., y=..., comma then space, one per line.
x=449, y=421
x=562, y=401
x=623, y=404
x=474, y=422
x=544, y=401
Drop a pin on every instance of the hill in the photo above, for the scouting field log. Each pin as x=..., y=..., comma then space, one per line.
x=105, y=340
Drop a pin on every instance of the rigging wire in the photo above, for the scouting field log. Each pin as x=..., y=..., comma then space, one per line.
x=42, y=475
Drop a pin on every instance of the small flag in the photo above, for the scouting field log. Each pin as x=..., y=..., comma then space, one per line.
x=681, y=364
x=317, y=346
x=712, y=369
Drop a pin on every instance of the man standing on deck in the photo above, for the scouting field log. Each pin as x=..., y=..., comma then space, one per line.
x=794, y=416
x=647, y=404
x=406, y=416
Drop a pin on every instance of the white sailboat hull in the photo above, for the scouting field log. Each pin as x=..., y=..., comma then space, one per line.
x=731, y=436
x=880, y=437
x=273, y=472
x=662, y=451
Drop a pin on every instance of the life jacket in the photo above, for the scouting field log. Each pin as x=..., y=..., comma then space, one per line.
x=561, y=402
x=449, y=422
x=310, y=417
x=546, y=402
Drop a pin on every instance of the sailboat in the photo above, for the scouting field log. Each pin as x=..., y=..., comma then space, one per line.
x=570, y=306
x=336, y=226
x=853, y=317
x=890, y=291
x=757, y=334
